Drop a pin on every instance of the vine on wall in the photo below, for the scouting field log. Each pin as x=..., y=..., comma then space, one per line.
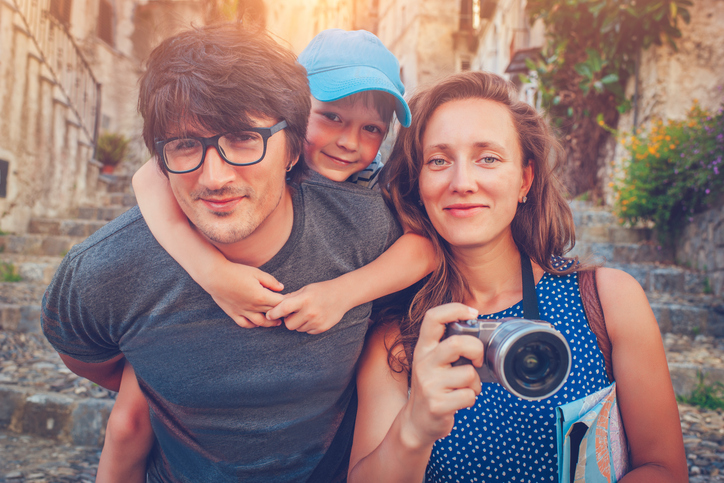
x=591, y=53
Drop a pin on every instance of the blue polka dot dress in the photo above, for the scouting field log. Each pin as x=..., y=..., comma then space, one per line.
x=504, y=438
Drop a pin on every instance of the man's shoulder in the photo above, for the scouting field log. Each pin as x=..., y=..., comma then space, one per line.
x=125, y=238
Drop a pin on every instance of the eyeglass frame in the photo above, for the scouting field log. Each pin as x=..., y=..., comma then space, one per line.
x=265, y=132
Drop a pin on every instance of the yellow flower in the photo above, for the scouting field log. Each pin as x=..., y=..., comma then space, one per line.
x=672, y=146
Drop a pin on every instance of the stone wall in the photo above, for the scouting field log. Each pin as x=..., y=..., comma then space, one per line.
x=701, y=246
x=671, y=80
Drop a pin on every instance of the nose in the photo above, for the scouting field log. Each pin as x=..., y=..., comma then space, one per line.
x=349, y=139
x=215, y=172
x=463, y=180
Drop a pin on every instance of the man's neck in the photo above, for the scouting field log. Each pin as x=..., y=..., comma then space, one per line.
x=266, y=241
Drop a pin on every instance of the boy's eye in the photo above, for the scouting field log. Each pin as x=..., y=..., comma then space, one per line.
x=373, y=129
x=331, y=116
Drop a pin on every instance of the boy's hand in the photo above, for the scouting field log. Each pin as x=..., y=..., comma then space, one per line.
x=313, y=309
x=245, y=294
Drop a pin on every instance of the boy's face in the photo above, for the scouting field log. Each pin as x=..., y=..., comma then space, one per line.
x=342, y=138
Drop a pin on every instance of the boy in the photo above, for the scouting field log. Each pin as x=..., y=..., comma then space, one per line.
x=355, y=86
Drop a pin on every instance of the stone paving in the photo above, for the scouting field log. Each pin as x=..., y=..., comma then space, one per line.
x=28, y=363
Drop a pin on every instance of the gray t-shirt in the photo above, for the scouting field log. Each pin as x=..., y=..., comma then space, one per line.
x=227, y=404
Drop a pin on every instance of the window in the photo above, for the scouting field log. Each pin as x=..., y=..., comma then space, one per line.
x=464, y=64
x=60, y=9
x=105, y=22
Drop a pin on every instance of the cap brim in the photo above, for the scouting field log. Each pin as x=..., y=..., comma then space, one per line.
x=334, y=84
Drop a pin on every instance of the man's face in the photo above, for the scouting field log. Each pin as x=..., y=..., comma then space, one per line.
x=228, y=203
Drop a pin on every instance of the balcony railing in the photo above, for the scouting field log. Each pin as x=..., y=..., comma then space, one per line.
x=65, y=61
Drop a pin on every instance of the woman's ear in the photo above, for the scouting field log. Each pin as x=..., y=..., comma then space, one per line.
x=527, y=182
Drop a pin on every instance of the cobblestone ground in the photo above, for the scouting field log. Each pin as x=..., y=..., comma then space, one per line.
x=27, y=360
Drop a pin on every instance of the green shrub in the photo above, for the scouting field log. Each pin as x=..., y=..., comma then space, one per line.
x=8, y=273
x=674, y=171
x=707, y=396
x=111, y=148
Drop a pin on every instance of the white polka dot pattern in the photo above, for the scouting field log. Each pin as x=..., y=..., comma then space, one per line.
x=504, y=438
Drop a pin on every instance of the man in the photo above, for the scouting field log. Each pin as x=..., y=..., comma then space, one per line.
x=226, y=403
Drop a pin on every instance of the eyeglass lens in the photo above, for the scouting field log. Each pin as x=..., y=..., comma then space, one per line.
x=185, y=154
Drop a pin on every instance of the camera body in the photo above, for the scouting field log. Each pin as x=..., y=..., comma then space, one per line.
x=529, y=358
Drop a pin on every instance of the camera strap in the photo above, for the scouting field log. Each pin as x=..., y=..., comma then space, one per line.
x=530, y=297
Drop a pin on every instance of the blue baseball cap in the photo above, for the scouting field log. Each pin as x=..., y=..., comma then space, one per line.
x=340, y=63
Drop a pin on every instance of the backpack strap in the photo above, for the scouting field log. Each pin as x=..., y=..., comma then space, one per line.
x=594, y=314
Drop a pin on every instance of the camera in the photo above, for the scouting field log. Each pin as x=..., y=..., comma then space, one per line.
x=529, y=358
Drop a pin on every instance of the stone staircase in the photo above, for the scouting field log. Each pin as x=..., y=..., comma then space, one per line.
x=38, y=394
x=679, y=296
x=35, y=256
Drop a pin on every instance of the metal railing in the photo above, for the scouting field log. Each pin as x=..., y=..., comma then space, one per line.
x=65, y=61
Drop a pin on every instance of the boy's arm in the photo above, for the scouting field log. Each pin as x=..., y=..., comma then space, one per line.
x=318, y=306
x=243, y=292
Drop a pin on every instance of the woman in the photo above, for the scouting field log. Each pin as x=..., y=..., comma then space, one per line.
x=473, y=174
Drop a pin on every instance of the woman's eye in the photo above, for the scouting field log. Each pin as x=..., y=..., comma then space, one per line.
x=437, y=162
x=488, y=160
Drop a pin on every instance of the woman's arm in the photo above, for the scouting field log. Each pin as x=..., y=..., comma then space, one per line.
x=394, y=434
x=317, y=307
x=244, y=293
x=645, y=395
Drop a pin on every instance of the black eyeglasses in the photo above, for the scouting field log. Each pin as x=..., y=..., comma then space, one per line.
x=243, y=148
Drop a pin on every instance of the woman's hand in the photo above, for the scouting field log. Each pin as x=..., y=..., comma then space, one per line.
x=439, y=389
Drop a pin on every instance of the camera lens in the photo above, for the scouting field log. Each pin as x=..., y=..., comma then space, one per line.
x=531, y=360
x=536, y=365
x=534, y=362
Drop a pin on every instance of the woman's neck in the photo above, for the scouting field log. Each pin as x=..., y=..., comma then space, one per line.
x=493, y=275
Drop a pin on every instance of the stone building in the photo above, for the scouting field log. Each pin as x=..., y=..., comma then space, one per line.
x=68, y=71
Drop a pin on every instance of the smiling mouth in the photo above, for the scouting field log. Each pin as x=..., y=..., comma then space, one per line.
x=221, y=205
x=338, y=160
x=464, y=210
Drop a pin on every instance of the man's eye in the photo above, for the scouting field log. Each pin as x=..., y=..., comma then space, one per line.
x=181, y=145
x=488, y=160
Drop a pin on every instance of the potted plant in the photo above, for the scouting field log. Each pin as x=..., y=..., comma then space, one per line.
x=110, y=150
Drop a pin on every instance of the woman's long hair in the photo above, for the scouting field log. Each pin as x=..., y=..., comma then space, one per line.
x=541, y=228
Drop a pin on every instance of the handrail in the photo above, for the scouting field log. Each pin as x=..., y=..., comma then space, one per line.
x=66, y=63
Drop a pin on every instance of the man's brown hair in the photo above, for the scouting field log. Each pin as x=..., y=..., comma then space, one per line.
x=216, y=78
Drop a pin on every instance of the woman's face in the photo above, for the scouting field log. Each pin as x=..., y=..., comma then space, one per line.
x=472, y=176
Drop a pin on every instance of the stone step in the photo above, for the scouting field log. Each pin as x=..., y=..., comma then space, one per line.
x=23, y=293
x=64, y=227
x=116, y=183
x=592, y=216
x=612, y=234
x=30, y=268
x=35, y=244
x=105, y=213
x=665, y=278
x=20, y=318
x=118, y=199
x=690, y=315
x=622, y=253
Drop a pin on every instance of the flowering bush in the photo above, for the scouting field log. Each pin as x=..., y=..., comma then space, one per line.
x=675, y=171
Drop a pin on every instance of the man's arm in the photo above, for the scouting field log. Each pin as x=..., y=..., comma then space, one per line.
x=106, y=374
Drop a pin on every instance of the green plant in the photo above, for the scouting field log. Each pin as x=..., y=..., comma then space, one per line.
x=111, y=148
x=674, y=172
x=8, y=273
x=707, y=396
x=592, y=50
x=707, y=288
